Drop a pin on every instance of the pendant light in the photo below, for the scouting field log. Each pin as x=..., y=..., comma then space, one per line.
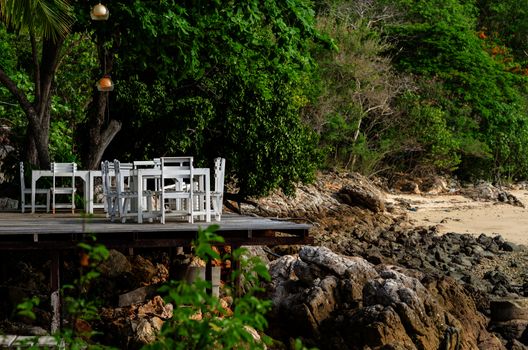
x=105, y=83
x=99, y=12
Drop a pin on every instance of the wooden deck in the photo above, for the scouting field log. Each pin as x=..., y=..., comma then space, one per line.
x=64, y=231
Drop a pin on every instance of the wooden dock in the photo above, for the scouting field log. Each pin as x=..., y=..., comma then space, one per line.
x=64, y=231
x=53, y=234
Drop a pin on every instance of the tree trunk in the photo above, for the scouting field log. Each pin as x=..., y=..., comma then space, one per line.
x=38, y=112
x=101, y=130
x=99, y=134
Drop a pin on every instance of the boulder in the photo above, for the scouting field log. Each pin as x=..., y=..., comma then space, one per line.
x=116, y=264
x=338, y=301
x=361, y=192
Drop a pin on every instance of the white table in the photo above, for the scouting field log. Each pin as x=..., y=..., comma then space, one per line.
x=139, y=177
x=86, y=175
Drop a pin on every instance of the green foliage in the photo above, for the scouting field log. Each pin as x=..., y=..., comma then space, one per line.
x=215, y=330
x=26, y=307
x=358, y=85
x=61, y=142
x=226, y=79
x=507, y=21
x=482, y=103
x=80, y=304
x=52, y=18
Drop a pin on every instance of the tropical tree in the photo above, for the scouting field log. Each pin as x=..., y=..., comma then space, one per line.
x=217, y=79
x=45, y=24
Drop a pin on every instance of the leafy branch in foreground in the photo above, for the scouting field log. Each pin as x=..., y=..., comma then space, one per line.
x=202, y=321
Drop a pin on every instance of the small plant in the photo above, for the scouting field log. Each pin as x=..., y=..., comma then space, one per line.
x=200, y=321
x=81, y=307
x=26, y=307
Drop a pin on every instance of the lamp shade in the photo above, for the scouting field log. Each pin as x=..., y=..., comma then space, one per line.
x=99, y=12
x=105, y=84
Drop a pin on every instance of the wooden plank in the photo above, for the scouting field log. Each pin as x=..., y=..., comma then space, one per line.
x=63, y=231
x=7, y=340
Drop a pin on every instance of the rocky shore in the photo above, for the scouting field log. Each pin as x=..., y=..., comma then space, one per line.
x=372, y=280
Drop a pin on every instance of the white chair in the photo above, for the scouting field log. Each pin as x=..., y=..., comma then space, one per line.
x=155, y=163
x=27, y=191
x=63, y=185
x=175, y=193
x=109, y=190
x=217, y=195
x=124, y=193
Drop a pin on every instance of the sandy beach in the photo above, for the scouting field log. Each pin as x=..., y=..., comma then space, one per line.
x=456, y=213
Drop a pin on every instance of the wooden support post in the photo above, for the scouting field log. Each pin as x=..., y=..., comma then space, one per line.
x=55, y=292
x=208, y=276
x=235, y=265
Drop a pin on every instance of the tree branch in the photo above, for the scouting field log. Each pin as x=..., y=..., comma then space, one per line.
x=36, y=64
x=19, y=95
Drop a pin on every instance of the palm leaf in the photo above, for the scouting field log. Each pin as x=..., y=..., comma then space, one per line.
x=50, y=18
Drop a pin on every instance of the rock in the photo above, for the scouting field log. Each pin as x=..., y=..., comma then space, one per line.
x=144, y=333
x=155, y=307
x=137, y=296
x=362, y=193
x=510, y=247
x=143, y=269
x=434, y=185
x=8, y=204
x=510, y=330
x=338, y=300
x=485, y=191
x=517, y=345
x=116, y=264
x=506, y=309
x=339, y=265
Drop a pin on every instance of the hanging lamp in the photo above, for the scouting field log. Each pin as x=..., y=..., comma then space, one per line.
x=105, y=83
x=99, y=12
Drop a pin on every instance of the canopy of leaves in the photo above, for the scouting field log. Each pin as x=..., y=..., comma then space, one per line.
x=219, y=79
x=482, y=100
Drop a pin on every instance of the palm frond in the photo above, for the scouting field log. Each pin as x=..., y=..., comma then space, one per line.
x=50, y=18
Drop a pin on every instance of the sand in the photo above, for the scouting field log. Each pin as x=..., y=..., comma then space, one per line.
x=455, y=213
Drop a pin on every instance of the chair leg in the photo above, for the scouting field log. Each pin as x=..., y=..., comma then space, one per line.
x=73, y=203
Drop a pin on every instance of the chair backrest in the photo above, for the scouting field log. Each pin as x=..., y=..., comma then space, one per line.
x=105, y=175
x=121, y=171
x=175, y=163
x=141, y=164
x=22, y=180
x=219, y=174
x=184, y=162
x=64, y=168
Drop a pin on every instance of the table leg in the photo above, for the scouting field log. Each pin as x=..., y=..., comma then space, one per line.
x=207, y=197
x=88, y=195
x=139, y=199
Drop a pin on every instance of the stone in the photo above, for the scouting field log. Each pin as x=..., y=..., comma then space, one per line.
x=136, y=296
x=517, y=345
x=510, y=247
x=116, y=264
x=143, y=269
x=362, y=193
x=144, y=333
x=511, y=329
x=506, y=309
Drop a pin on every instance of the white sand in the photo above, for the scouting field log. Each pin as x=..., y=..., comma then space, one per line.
x=455, y=213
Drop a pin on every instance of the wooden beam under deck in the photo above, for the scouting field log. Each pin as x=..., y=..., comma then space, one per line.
x=65, y=231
